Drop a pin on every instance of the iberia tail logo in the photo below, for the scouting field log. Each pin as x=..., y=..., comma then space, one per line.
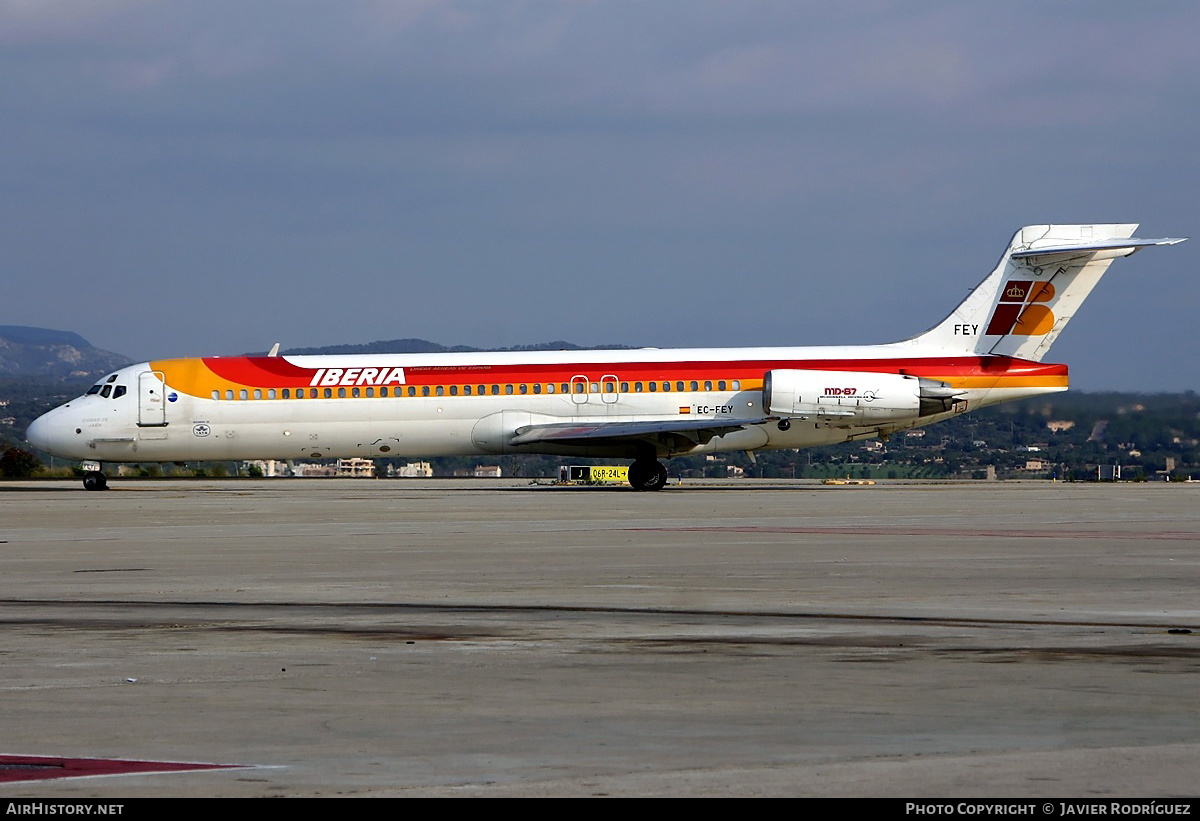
x=1021, y=311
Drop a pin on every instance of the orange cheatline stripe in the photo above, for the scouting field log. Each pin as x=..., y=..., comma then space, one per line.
x=1002, y=381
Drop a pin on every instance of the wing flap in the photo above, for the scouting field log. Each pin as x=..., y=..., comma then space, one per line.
x=698, y=430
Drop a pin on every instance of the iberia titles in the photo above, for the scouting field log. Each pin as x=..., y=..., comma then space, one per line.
x=348, y=377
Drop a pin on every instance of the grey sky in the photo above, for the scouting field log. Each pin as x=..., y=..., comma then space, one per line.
x=185, y=178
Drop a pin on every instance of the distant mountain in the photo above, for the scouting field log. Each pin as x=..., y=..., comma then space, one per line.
x=56, y=354
x=424, y=346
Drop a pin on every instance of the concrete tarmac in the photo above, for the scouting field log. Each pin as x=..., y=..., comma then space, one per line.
x=493, y=638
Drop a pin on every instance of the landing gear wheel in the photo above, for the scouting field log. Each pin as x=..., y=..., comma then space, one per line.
x=647, y=474
x=95, y=480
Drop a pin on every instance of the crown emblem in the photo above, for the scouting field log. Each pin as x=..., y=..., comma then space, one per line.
x=1015, y=292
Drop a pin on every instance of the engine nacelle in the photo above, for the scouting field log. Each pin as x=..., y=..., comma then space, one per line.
x=844, y=398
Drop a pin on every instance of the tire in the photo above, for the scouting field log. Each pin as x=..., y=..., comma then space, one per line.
x=94, y=480
x=647, y=475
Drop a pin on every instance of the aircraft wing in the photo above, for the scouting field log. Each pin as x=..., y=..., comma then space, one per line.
x=699, y=431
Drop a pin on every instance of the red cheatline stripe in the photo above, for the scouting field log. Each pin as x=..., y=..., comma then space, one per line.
x=40, y=768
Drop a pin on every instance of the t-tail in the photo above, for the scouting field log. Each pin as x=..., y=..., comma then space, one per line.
x=1039, y=283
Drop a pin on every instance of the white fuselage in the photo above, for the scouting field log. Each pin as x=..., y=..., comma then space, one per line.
x=409, y=405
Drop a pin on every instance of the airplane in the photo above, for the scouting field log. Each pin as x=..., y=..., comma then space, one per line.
x=643, y=404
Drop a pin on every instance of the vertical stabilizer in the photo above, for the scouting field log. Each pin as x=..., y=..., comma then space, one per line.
x=1041, y=280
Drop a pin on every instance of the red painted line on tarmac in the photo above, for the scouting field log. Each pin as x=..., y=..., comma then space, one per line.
x=40, y=768
x=1172, y=535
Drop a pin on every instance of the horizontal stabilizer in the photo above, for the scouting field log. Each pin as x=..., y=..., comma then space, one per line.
x=1128, y=245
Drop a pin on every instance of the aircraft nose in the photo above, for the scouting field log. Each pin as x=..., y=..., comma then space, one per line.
x=38, y=433
x=45, y=433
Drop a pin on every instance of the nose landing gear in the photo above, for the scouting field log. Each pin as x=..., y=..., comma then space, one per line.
x=95, y=480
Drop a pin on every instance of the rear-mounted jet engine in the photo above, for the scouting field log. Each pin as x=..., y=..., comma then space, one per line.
x=854, y=398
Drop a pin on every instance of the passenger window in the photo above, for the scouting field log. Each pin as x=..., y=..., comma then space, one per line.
x=329, y=393
x=721, y=384
x=637, y=387
x=229, y=394
x=371, y=392
x=737, y=384
x=707, y=385
x=550, y=388
x=243, y=394
x=595, y=388
x=524, y=388
x=286, y=393
x=466, y=390
x=356, y=392
x=441, y=391
x=537, y=387
x=508, y=390
x=216, y=394
x=653, y=386
x=679, y=386
x=258, y=393
x=482, y=389
x=564, y=388
x=666, y=386
x=454, y=390
x=341, y=393
x=495, y=390
x=424, y=390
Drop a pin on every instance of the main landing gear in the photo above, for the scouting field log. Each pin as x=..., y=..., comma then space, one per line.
x=647, y=474
x=95, y=480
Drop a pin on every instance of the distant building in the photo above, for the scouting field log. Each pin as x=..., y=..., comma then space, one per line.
x=412, y=470
x=1059, y=425
x=487, y=472
x=356, y=468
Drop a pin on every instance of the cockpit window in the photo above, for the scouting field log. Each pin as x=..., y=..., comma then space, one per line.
x=118, y=391
x=111, y=379
x=105, y=391
x=93, y=389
